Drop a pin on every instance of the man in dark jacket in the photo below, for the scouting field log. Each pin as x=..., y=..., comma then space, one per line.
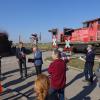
x=37, y=59
x=57, y=71
x=21, y=56
x=88, y=69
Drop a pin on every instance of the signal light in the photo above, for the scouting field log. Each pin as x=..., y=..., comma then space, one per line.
x=53, y=31
x=68, y=31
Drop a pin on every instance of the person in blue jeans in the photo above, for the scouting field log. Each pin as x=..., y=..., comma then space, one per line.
x=88, y=69
x=57, y=71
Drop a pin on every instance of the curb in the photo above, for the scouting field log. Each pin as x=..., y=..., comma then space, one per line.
x=78, y=69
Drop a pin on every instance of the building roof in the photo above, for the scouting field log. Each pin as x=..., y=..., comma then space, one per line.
x=91, y=20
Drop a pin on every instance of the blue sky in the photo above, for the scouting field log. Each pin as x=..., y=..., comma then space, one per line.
x=34, y=16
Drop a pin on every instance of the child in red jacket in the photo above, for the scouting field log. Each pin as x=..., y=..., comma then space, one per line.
x=57, y=71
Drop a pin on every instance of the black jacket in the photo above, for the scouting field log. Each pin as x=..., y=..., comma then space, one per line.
x=18, y=53
x=90, y=57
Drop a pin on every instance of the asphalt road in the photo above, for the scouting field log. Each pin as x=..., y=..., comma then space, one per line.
x=18, y=89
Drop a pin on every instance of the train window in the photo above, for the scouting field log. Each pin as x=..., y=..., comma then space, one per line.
x=98, y=35
x=98, y=21
x=68, y=33
x=91, y=38
x=86, y=25
x=98, y=27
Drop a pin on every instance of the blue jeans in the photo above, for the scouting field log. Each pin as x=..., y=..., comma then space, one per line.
x=88, y=71
x=59, y=93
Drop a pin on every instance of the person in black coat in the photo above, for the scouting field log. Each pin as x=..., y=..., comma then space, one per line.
x=21, y=56
x=89, y=63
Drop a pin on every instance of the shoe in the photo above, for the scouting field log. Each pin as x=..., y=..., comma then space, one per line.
x=90, y=83
x=26, y=76
x=85, y=80
x=99, y=85
x=66, y=99
x=21, y=77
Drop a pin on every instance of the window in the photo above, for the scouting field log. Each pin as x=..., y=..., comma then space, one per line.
x=98, y=21
x=91, y=38
x=98, y=27
x=68, y=32
x=86, y=25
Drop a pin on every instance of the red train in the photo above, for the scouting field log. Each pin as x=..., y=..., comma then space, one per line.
x=80, y=37
x=90, y=32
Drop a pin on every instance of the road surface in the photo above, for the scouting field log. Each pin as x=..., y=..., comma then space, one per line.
x=18, y=89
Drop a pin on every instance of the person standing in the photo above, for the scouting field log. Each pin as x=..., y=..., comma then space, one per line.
x=57, y=71
x=64, y=56
x=89, y=63
x=21, y=56
x=38, y=61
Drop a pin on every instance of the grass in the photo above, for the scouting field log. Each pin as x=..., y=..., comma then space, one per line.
x=77, y=63
x=42, y=46
x=48, y=59
x=45, y=46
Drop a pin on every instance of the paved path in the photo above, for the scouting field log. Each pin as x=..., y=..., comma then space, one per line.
x=17, y=89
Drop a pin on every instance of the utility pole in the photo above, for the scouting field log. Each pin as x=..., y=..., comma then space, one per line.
x=19, y=38
x=40, y=36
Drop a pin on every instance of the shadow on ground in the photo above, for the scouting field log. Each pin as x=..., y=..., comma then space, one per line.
x=19, y=91
x=75, y=79
x=83, y=95
x=13, y=71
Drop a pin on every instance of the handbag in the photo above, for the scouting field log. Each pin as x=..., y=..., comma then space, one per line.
x=30, y=60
